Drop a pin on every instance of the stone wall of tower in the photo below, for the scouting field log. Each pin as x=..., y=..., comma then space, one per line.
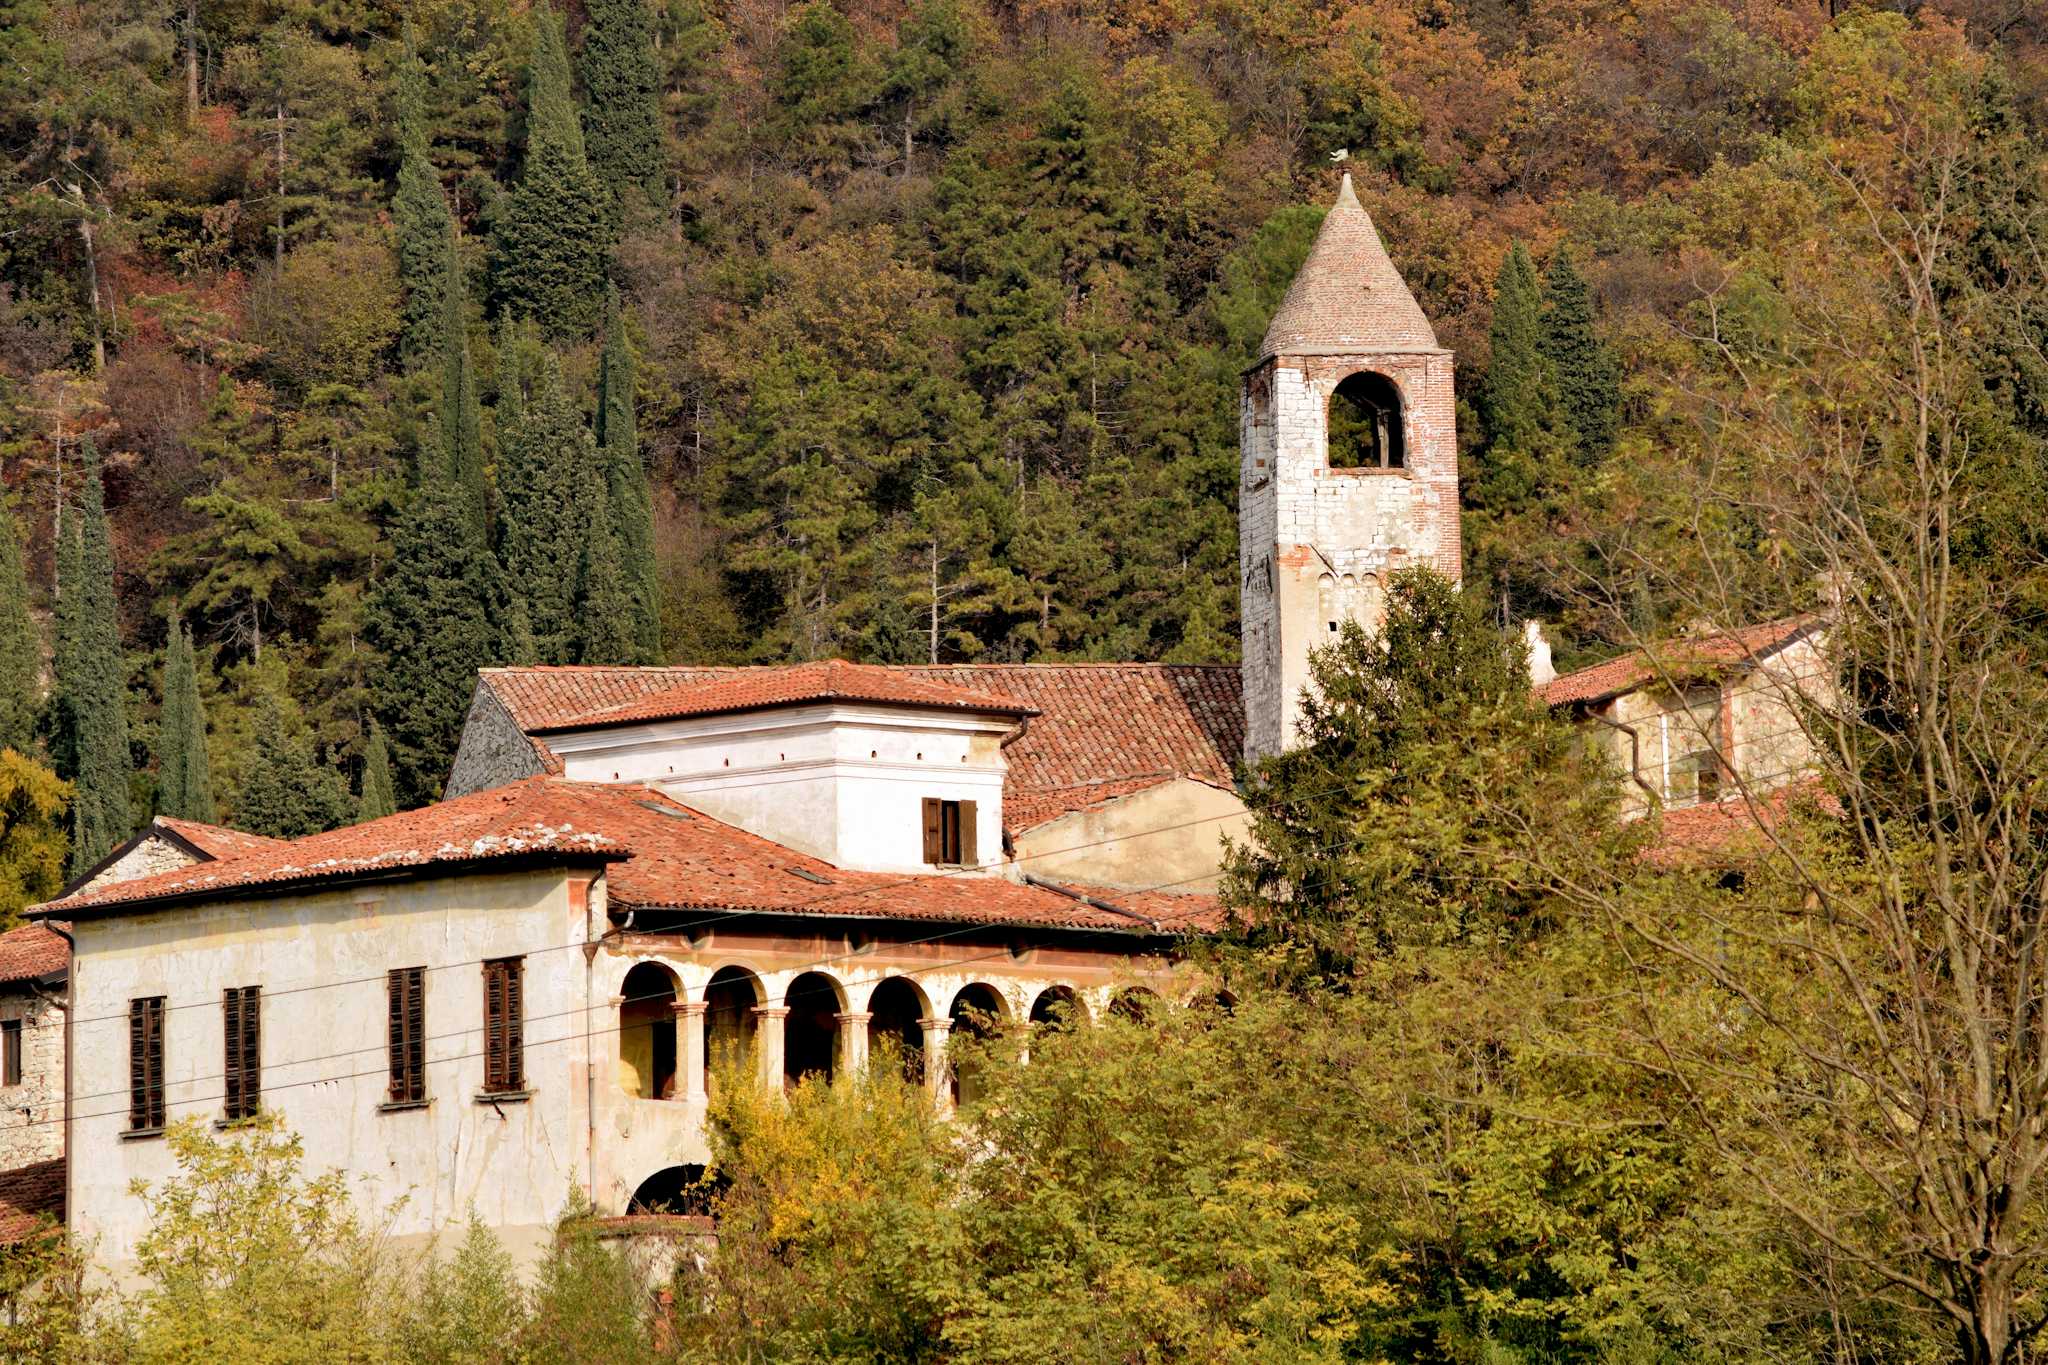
x=1316, y=545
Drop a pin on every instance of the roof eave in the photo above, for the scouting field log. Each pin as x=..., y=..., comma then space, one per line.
x=1134, y=929
x=573, y=726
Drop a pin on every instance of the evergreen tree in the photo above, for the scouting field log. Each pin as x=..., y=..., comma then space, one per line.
x=551, y=245
x=622, y=127
x=424, y=225
x=1516, y=397
x=21, y=654
x=287, y=791
x=547, y=476
x=462, y=447
x=92, y=677
x=184, y=776
x=604, y=604
x=432, y=617
x=1586, y=374
x=378, y=799
x=631, y=501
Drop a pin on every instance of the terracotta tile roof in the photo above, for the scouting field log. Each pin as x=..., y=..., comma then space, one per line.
x=526, y=818
x=1097, y=723
x=217, y=841
x=28, y=1196
x=33, y=951
x=1677, y=659
x=826, y=680
x=1730, y=828
x=1347, y=297
x=665, y=855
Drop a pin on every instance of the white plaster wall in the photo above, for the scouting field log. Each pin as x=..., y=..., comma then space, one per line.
x=844, y=783
x=324, y=1049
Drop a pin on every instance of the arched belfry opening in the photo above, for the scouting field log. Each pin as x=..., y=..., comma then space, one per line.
x=1365, y=423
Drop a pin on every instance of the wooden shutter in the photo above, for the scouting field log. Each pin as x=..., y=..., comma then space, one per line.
x=934, y=830
x=504, y=1026
x=10, y=1052
x=241, y=1010
x=146, y=1063
x=408, y=1041
x=965, y=854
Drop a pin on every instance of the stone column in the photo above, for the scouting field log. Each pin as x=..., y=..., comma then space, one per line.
x=938, y=1075
x=690, y=1050
x=853, y=1041
x=768, y=1044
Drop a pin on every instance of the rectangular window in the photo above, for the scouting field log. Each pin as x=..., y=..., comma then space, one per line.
x=146, y=1063
x=408, y=1034
x=10, y=1052
x=949, y=833
x=504, y=1027
x=241, y=1010
x=1695, y=744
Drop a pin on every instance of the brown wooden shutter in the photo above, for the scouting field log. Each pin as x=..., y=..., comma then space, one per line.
x=10, y=1052
x=146, y=1062
x=504, y=1027
x=934, y=830
x=515, y=1026
x=241, y=1018
x=965, y=854
x=407, y=1034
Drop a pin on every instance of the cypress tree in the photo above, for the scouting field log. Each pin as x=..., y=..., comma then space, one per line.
x=622, y=126
x=425, y=227
x=631, y=501
x=184, y=776
x=462, y=445
x=604, y=604
x=1515, y=400
x=288, y=792
x=1587, y=376
x=377, y=800
x=550, y=248
x=547, y=474
x=92, y=677
x=21, y=655
x=431, y=616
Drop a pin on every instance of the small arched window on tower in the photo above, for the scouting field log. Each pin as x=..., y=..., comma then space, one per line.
x=1365, y=423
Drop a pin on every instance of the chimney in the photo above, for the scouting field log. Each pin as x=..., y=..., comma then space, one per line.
x=1541, y=669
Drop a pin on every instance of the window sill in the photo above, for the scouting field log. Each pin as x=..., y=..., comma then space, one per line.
x=1367, y=471
x=140, y=1134
x=226, y=1125
x=503, y=1096
x=403, y=1106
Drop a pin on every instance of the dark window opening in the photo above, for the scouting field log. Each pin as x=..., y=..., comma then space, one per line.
x=679, y=1189
x=1057, y=1009
x=729, y=1023
x=647, y=1032
x=10, y=1052
x=977, y=1015
x=810, y=1035
x=408, y=1034
x=1365, y=424
x=146, y=1063
x=894, y=1028
x=241, y=1017
x=949, y=832
x=504, y=1027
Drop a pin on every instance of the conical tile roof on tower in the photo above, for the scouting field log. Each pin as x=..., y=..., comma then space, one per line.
x=1347, y=297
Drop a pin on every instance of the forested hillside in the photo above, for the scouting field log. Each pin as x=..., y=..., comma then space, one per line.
x=923, y=320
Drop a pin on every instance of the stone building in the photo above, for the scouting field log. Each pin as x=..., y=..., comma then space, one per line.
x=34, y=961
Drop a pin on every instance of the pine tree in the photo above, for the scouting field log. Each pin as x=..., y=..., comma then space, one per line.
x=92, y=677
x=1516, y=397
x=547, y=476
x=424, y=226
x=462, y=447
x=604, y=604
x=21, y=654
x=1587, y=376
x=377, y=800
x=622, y=127
x=288, y=792
x=433, y=618
x=184, y=775
x=551, y=246
x=631, y=501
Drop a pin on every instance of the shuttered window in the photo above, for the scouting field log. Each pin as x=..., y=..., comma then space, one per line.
x=241, y=1018
x=10, y=1052
x=146, y=1063
x=504, y=1027
x=408, y=989
x=949, y=833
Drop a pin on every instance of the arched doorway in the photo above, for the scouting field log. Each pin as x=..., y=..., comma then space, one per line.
x=729, y=1002
x=1134, y=1004
x=811, y=1032
x=647, y=1032
x=676, y=1189
x=896, y=1006
x=1057, y=1009
x=977, y=1013
x=1365, y=423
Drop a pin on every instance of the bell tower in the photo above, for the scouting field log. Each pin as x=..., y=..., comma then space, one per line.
x=1349, y=448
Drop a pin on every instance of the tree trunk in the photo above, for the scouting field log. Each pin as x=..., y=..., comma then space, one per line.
x=92, y=285
x=191, y=59
x=908, y=106
x=280, y=184
x=935, y=601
